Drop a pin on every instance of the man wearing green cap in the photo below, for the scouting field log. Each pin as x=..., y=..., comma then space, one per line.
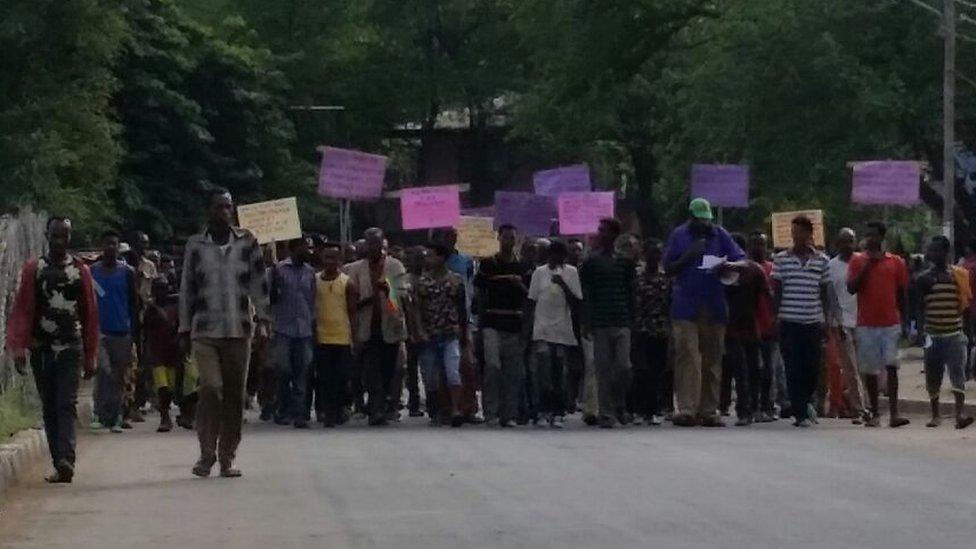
x=698, y=254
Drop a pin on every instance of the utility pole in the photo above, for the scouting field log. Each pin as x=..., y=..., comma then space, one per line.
x=948, y=123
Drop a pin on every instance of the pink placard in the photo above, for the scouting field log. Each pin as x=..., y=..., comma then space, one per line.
x=886, y=182
x=430, y=207
x=568, y=179
x=352, y=175
x=580, y=213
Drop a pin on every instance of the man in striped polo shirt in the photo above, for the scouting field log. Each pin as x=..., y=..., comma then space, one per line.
x=946, y=294
x=801, y=274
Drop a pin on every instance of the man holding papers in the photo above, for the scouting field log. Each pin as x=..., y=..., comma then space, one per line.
x=698, y=254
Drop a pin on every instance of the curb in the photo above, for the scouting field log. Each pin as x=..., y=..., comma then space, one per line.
x=18, y=454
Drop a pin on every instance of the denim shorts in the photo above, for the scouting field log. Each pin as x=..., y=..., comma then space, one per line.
x=877, y=348
x=441, y=354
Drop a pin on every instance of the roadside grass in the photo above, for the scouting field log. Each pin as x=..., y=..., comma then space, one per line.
x=15, y=413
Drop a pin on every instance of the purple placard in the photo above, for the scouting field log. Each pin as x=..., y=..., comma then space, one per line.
x=568, y=179
x=886, y=182
x=352, y=175
x=530, y=213
x=724, y=185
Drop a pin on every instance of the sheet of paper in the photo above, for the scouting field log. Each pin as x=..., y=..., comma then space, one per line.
x=710, y=261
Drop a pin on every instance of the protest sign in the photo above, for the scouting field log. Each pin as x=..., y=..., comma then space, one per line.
x=531, y=214
x=580, y=213
x=430, y=207
x=568, y=179
x=351, y=175
x=476, y=236
x=886, y=182
x=723, y=185
x=783, y=221
x=274, y=220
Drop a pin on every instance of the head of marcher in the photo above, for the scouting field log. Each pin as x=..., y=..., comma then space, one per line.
x=758, y=246
x=375, y=243
x=507, y=236
x=626, y=246
x=359, y=249
x=576, y=249
x=846, y=240
x=607, y=232
x=653, y=251
x=331, y=257
x=220, y=209
x=110, y=247
x=557, y=254
x=938, y=252
x=139, y=242
x=801, y=229
x=529, y=251
x=299, y=250
x=542, y=251
x=700, y=211
x=447, y=236
x=414, y=257
x=435, y=260
x=58, y=236
x=739, y=239
x=874, y=236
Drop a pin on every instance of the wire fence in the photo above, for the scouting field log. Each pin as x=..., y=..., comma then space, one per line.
x=21, y=237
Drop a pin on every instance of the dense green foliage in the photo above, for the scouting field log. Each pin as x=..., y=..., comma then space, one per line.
x=149, y=102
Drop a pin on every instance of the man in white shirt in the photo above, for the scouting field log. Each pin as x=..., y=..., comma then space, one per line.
x=844, y=322
x=554, y=290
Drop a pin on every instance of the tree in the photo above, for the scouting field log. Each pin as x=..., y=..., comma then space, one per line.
x=199, y=111
x=58, y=148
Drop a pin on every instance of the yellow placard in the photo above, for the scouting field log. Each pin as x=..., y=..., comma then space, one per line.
x=476, y=236
x=782, y=221
x=274, y=220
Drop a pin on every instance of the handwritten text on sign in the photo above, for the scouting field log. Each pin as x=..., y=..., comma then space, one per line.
x=885, y=183
x=275, y=220
x=351, y=175
x=569, y=179
x=724, y=185
x=783, y=223
x=531, y=214
x=476, y=236
x=430, y=207
x=580, y=213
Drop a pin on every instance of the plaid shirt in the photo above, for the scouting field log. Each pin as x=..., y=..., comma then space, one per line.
x=223, y=287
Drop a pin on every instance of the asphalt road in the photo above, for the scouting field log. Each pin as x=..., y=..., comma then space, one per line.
x=410, y=486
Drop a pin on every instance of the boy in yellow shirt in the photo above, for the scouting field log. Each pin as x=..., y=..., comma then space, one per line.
x=335, y=307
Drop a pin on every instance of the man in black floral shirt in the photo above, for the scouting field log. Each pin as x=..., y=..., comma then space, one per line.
x=647, y=395
x=442, y=305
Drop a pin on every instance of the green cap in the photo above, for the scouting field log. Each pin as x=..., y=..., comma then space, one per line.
x=700, y=209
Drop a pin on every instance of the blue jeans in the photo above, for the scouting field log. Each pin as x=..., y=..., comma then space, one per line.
x=293, y=356
x=441, y=354
x=57, y=376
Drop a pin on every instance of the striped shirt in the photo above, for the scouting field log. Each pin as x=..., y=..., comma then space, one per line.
x=608, y=290
x=946, y=302
x=801, y=286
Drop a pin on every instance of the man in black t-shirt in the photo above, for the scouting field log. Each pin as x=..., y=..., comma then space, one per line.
x=502, y=285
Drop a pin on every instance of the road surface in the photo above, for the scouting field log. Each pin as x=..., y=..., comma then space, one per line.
x=410, y=486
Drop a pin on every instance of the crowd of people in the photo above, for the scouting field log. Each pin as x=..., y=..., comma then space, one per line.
x=620, y=330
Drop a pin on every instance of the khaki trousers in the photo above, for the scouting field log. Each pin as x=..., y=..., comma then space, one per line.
x=698, y=347
x=222, y=365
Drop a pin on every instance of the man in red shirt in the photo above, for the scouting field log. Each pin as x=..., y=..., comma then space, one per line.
x=880, y=281
x=969, y=320
x=55, y=317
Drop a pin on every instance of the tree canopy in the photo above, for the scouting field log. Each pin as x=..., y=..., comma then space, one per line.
x=124, y=112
